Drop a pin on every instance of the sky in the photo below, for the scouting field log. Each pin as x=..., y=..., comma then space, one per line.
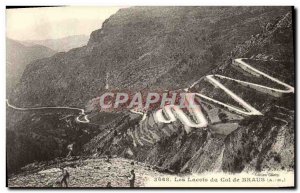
x=55, y=22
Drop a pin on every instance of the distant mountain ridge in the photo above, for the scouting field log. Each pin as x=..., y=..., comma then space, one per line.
x=61, y=44
x=17, y=58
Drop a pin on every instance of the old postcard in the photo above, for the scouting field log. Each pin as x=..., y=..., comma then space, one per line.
x=144, y=97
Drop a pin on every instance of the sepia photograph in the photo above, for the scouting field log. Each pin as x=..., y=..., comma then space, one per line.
x=150, y=97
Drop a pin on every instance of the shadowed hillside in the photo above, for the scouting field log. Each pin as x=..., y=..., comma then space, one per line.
x=17, y=58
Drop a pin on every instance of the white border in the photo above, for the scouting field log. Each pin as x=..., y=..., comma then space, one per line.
x=111, y=3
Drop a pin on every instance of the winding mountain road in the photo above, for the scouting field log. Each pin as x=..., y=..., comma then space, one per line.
x=248, y=109
x=82, y=118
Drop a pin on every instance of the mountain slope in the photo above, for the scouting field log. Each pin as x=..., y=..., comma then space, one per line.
x=140, y=50
x=231, y=142
x=85, y=173
x=17, y=58
x=143, y=47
